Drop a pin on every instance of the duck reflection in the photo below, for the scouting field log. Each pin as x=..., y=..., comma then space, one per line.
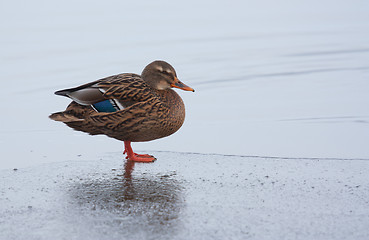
x=143, y=200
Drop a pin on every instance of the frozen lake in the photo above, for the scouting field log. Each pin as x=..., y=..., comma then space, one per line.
x=187, y=196
x=275, y=79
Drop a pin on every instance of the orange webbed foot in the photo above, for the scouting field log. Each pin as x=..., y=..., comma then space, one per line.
x=131, y=156
x=141, y=158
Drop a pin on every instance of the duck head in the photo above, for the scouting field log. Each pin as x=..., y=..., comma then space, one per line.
x=161, y=75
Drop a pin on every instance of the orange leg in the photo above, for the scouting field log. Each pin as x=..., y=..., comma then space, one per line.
x=131, y=156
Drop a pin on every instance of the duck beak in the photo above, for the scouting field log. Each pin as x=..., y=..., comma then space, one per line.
x=181, y=85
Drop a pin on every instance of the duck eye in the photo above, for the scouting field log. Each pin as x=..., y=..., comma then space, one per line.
x=167, y=72
x=164, y=71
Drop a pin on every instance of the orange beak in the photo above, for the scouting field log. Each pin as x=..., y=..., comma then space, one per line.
x=181, y=85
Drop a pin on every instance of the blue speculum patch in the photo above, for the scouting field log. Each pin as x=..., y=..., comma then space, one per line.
x=105, y=106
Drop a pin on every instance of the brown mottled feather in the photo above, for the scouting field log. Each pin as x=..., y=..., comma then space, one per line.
x=149, y=113
x=143, y=121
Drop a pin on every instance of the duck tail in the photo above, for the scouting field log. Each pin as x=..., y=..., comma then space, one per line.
x=76, y=117
x=74, y=113
x=64, y=117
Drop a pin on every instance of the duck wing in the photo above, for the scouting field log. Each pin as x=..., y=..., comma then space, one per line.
x=121, y=90
x=121, y=106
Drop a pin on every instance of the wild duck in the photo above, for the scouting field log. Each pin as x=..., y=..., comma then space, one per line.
x=128, y=107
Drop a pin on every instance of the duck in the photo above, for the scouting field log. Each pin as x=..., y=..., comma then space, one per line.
x=128, y=107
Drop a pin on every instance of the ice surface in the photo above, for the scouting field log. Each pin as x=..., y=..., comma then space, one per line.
x=187, y=196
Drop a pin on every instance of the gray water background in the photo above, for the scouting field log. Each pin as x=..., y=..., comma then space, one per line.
x=272, y=78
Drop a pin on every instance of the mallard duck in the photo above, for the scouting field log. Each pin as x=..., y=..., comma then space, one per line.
x=128, y=107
